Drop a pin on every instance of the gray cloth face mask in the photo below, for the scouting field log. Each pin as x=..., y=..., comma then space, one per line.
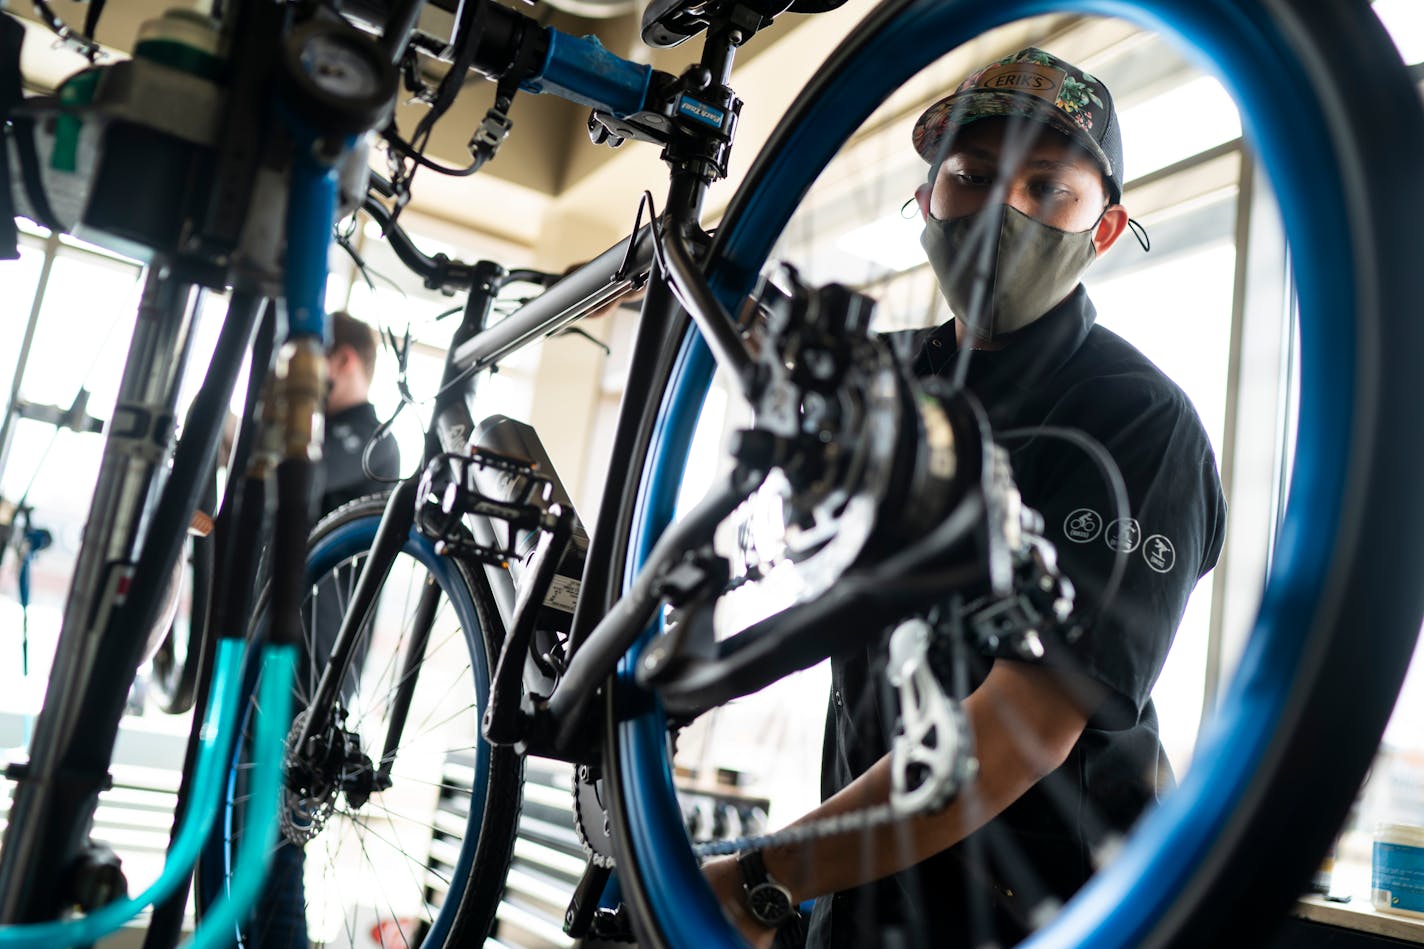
x=1025, y=266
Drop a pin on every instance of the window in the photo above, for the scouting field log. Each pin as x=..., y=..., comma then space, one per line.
x=1404, y=20
x=392, y=299
x=87, y=304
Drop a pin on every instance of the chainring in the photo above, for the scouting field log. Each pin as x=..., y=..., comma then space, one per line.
x=591, y=816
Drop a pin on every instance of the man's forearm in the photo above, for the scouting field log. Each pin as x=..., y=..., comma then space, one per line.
x=1023, y=726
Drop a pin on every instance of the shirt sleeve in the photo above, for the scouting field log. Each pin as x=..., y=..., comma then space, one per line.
x=1169, y=536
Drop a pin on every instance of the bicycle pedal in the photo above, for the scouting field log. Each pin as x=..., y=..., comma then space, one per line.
x=487, y=484
x=612, y=925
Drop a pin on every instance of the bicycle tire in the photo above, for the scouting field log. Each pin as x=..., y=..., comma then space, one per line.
x=485, y=847
x=1252, y=818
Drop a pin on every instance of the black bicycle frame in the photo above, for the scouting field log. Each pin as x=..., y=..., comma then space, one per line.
x=476, y=348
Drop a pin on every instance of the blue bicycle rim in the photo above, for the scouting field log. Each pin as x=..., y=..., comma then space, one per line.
x=1241, y=44
x=352, y=540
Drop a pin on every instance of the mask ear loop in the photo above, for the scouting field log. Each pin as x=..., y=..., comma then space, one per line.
x=1140, y=232
x=1134, y=225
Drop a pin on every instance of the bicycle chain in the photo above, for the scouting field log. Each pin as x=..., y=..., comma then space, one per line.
x=582, y=783
x=857, y=821
x=849, y=822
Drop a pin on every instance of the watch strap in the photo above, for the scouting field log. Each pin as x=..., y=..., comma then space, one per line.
x=753, y=868
x=760, y=885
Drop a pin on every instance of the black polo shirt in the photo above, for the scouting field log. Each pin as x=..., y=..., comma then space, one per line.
x=341, y=475
x=1061, y=371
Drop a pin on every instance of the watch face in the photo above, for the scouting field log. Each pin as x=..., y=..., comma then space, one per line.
x=339, y=69
x=769, y=903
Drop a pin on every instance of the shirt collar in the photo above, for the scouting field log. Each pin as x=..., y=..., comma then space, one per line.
x=1001, y=377
x=352, y=413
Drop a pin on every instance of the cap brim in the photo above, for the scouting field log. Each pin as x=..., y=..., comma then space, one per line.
x=965, y=108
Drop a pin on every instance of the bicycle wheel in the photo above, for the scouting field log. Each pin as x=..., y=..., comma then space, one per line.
x=420, y=858
x=1299, y=723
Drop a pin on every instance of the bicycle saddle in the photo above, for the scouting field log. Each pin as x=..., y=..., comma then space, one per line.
x=667, y=23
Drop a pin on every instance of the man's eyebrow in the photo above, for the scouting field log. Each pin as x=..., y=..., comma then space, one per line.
x=984, y=154
x=972, y=151
x=1053, y=163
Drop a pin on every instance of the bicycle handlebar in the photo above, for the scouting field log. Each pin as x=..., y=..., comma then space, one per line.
x=434, y=271
x=577, y=68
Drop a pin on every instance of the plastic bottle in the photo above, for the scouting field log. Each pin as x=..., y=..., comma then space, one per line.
x=1397, y=880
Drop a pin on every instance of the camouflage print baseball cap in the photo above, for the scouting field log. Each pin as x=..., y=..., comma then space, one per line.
x=1036, y=85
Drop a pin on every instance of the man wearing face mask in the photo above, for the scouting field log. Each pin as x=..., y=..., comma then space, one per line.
x=1024, y=193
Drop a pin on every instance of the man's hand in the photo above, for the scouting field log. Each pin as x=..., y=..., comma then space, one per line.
x=1025, y=720
x=725, y=879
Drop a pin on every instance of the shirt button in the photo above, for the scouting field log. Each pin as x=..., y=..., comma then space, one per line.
x=836, y=697
x=937, y=344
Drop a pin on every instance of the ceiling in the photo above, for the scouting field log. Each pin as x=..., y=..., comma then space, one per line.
x=549, y=187
x=547, y=168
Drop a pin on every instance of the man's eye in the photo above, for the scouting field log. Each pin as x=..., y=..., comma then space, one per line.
x=970, y=180
x=1051, y=191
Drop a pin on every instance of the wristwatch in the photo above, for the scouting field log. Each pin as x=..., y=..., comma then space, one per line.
x=767, y=900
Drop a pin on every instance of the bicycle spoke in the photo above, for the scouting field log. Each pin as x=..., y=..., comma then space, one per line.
x=410, y=859
x=438, y=785
x=427, y=727
x=349, y=870
x=379, y=701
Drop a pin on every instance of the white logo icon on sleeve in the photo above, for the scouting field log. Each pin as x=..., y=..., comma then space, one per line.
x=1083, y=525
x=1159, y=553
x=1123, y=535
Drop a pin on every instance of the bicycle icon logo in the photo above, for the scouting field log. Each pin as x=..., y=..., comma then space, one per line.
x=1083, y=525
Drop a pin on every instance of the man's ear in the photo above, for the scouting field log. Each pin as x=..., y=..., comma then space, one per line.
x=339, y=359
x=922, y=198
x=1110, y=227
